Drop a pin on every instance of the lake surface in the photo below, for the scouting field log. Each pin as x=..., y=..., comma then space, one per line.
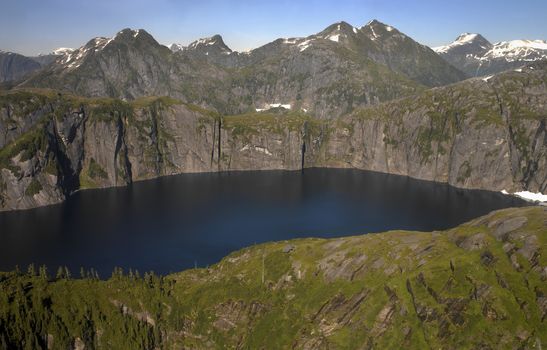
x=176, y=222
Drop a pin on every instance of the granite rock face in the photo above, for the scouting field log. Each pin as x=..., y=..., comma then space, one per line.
x=475, y=134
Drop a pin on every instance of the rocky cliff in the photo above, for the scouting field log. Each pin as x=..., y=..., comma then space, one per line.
x=489, y=134
x=478, y=286
x=482, y=133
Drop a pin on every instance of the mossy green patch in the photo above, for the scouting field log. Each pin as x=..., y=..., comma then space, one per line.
x=95, y=171
x=33, y=188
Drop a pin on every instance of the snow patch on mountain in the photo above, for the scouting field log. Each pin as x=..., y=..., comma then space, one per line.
x=374, y=35
x=62, y=51
x=334, y=37
x=273, y=105
x=529, y=196
x=290, y=41
x=203, y=43
x=304, y=45
x=73, y=59
x=525, y=50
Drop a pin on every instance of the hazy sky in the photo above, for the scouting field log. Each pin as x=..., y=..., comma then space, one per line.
x=34, y=26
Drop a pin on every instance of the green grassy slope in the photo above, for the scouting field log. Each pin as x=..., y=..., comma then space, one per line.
x=480, y=285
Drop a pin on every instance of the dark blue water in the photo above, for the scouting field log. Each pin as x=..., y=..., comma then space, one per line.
x=172, y=223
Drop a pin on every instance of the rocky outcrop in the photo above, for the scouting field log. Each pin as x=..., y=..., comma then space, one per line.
x=475, y=134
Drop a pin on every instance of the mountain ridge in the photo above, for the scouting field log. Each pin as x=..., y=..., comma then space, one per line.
x=476, y=56
x=227, y=81
x=365, y=40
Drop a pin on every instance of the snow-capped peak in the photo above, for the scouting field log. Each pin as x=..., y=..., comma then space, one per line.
x=204, y=43
x=466, y=37
x=463, y=40
x=210, y=41
x=337, y=31
x=74, y=58
x=62, y=51
x=375, y=29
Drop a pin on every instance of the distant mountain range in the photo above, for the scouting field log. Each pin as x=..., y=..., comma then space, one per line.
x=328, y=73
x=476, y=56
x=376, y=41
x=14, y=67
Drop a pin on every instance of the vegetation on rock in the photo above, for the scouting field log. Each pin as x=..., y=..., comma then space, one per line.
x=479, y=285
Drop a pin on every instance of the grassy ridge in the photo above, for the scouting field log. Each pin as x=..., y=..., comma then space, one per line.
x=480, y=285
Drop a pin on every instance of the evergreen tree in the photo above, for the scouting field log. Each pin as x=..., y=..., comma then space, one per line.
x=67, y=273
x=43, y=273
x=31, y=271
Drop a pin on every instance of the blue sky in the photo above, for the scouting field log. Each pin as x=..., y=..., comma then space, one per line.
x=34, y=26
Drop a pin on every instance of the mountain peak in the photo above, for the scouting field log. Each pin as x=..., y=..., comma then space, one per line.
x=377, y=24
x=213, y=43
x=467, y=37
x=466, y=40
x=62, y=51
x=374, y=22
x=375, y=29
x=337, y=30
x=127, y=34
x=75, y=57
x=476, y=56
x=471, y=38
x=209, y=41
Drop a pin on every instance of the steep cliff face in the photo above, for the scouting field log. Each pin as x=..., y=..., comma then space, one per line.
x=477, y=286
x=478, y=134
x=475, y=134
x=76, y=143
